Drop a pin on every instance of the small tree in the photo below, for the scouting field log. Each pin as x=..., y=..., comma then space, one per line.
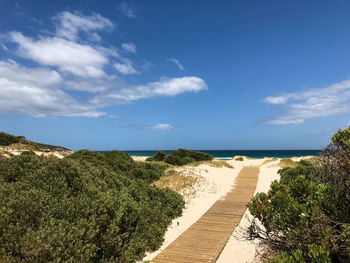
x=306, y=214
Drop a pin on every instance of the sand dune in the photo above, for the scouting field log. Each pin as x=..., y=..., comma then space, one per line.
x=217, y=182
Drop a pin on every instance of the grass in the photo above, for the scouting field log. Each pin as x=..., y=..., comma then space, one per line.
x=239, y=158
x=270, y=160
x=287, y=162
x=213, y=163
x=182, y=181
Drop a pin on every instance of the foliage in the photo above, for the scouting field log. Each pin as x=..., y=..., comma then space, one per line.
x=342, y=139
x=316, y=254
x=180, y=181
x=306, y=214
x=287, y=162
x=159, y=156
x=213, y=163
x=183, y=156
x=87, y=207
x=8, y=139
x=240, y=158
x=121, y=162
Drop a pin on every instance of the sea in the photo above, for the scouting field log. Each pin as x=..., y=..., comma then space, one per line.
x=255, y=154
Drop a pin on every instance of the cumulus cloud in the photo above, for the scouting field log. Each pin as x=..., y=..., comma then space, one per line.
x=176, y=62
x=164, y=87
x=64, y=61
x=129, y=47
x=125, y=69
x=276, y=100
x=161, y=127
x=313, y=103
x=78, y=59
x=35, y=92
x=69, y=24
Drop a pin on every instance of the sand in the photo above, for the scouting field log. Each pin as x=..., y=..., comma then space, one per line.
x=214, y=186
x=58, y=154
x=238, y=249
x=217, y=182
x=139, y=158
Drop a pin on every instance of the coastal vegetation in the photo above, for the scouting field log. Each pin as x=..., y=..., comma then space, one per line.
x=180, y=181
x=305, y=216
x=159, y=156
x=212, y=163
x=287, y=162
x=181, y=157
x=87, y=207
x=21, y=143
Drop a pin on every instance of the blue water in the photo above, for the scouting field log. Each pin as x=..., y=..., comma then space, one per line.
x=228, y=154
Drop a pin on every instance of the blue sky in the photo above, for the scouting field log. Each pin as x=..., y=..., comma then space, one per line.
x=134, y=75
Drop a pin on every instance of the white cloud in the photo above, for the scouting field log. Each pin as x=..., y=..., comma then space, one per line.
x=69, y=25
x=92, y=86
x=36, y=92
x=125, y=69
x=313, y=103
x=129, y=47
x=64, y=61
x=127, y=10
x=276, y=100
x=176, y=62
x=4, y=47
x=162, y=127
x=78, y=59
x=164, y=87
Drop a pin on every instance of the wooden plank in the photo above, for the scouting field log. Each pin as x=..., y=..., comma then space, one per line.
x=205, y=239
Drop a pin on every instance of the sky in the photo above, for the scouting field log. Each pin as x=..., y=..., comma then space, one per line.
x=149, y=75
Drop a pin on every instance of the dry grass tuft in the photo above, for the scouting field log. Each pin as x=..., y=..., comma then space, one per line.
x=182, y=181
x=287, y=162
x=213, y=163
x=270, y=160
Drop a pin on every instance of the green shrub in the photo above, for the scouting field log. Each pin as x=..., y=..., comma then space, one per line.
x=287, y=162
x=182, y=157
x=85, y=208
x=306, y=214
x=121, y=162
x=8, y=139
x=159, y=156
x=239, y=159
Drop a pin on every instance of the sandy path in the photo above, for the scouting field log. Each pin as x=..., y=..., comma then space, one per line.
x=206, y=238
x=238, y=249
x=215, y=183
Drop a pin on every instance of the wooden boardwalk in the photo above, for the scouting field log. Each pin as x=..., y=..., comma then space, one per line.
x=205, y=239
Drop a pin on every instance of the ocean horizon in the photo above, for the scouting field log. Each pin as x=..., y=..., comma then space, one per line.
x=228, y=154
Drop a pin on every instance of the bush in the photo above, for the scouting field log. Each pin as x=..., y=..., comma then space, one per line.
x=159, y=156
x=287, y=162
x=121, y=162
x=239, y=158
x=8, y=139
x=182, y=157
x=88, y=207
x=306, y=214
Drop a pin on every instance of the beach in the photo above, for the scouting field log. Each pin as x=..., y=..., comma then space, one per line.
x=213, y=185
